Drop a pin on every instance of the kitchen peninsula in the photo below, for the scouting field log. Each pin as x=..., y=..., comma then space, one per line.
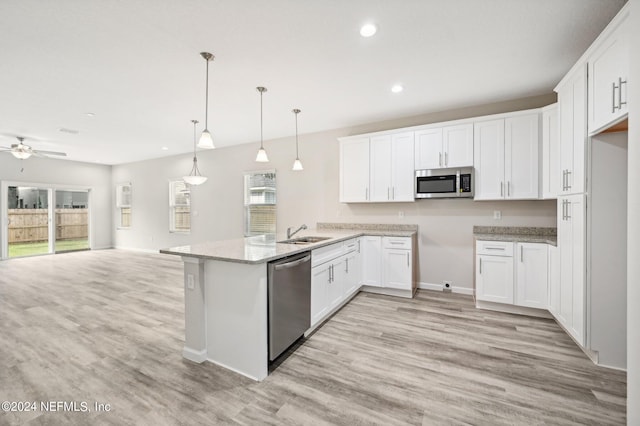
x=226, y=288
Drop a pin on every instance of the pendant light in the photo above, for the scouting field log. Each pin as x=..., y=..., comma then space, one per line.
x=262, y=154
x=194, y=178
x=297, y=165
x=206, y=140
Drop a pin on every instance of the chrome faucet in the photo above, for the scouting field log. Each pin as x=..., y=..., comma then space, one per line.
x=291, y=234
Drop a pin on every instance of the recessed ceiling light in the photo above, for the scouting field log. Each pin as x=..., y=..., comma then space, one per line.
x=71, y=131
x=397, y=88
x=367, y=30
x=90, y=114
x=165, y=148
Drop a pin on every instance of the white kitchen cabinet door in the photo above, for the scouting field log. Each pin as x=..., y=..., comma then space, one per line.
x=402, y=162
x=571, y=244
x=397, y=266
x=352, y=273
x=337, y=283
x=488, y=152
x=550, y=152
x=371, y=260
x=532, y=275
x=320, y=280
x=494, y=279
x=457, y=145
x=521, y=150
x=572, y=103
x=354, y=170
x=380, y=168
x=554, y=280
x=428, y=149
x=608, y=74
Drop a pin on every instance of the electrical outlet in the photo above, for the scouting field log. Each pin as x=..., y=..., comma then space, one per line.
x=191, y=282
x=400, y=213
x=446, y=286
x=497, y=214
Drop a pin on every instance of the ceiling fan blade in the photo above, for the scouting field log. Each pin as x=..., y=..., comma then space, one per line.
x=39, y=151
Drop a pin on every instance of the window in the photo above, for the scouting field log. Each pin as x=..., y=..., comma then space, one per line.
x=179, y=206
x=260, y=203
x=123, y=204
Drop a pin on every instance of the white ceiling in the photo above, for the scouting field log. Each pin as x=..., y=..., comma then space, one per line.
x=135, y=64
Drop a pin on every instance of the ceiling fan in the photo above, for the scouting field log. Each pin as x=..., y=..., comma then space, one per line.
x=22, y=151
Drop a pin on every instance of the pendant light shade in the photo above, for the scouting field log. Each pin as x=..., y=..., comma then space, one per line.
x=261, y=157
x=297, y=164
x=206, y=140
x=194, y=177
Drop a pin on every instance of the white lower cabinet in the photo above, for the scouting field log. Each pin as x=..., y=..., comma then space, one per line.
x=335, y=275
x=512, y=273
x=371, y=260
x=532, y=269
x=397, y=263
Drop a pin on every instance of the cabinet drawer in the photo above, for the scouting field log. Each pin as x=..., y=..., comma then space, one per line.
x=351, y=245
x=327, y=253
x=495, y=248
x=396, y=243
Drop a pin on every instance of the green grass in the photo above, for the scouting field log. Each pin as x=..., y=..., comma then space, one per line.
x=30, y=249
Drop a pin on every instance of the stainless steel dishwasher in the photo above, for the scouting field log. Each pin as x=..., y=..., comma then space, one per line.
x=289, y=301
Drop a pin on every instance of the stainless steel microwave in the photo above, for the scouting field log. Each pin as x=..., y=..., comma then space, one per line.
x=445, y=183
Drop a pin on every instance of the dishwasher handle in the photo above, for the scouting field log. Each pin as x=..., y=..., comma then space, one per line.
x=292, y=264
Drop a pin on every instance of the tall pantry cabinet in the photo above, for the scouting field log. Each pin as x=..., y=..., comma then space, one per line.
x=589, y=298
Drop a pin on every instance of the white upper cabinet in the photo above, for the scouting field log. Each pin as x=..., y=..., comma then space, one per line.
x=506, y=158
x=377, y=169
x=449, y=146
x=488, y=162
x=402, y=174
x=428, y=149
x=572, y=104
x=457, y=145
x=608, y=72
x=354, y=170
x=521, y=148
x=550, y=152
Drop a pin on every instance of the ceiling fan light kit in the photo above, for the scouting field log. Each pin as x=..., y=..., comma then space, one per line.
x=23, y=151
x=206, y=140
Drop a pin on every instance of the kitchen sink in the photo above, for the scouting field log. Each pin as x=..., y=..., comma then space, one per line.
x=304, y=240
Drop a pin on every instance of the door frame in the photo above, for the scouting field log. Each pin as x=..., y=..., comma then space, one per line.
x=51, y=188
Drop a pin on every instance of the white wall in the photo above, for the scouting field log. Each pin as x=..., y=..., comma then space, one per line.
x=56, y=172
x=445, y=241
x=633, y=228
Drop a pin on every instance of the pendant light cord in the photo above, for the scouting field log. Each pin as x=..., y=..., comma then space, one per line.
x=261, y=141
x=297, y=136
x=206, y=101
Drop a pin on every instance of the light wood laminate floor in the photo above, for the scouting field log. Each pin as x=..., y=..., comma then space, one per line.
x=107, y=326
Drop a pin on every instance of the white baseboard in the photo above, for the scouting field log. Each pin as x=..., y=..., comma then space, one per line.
x=193, y=355
x=513, y=309
x=438, y=287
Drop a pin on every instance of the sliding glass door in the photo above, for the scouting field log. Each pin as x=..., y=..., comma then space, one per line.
x=72, y=220
x=28, y=215
x=44, y=220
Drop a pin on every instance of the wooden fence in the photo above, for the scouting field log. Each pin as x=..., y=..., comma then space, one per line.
x=31, y=225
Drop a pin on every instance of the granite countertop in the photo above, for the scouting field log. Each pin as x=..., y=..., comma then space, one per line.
x=516, y=234
x=265, y=248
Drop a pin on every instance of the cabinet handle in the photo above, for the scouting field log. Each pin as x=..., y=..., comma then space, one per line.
x=521, y=253
x=446, y=159
x=393, y=192
x=329, y=274
x=613, y=97
x=346, y=269
x=408, y=260
x=509, y=189
x=388, y=192
x=564, y=180
x=495, y=248
x=568, y=215
x=480, y=266
x=568, y=173
x=440, y=159
x=502, y=189
x=620, y=83
x=366, y=194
